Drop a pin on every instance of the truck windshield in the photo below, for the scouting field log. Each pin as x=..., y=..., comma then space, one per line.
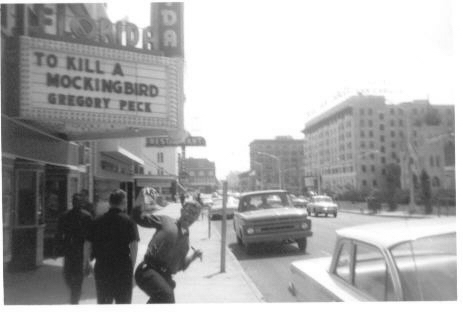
x=265, y=201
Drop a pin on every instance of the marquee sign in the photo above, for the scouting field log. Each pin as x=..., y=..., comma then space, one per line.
x=104, y=87
x=194, y=141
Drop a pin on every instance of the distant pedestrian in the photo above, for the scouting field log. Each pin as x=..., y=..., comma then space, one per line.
x=113, y=238
x=73, y=227
x=167, y=252
x=182, y=198
x=198, y=198
x=87, y=205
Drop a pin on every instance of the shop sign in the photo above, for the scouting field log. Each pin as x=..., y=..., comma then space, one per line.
x=88, y=84
x=168, y=142
x=60, y=20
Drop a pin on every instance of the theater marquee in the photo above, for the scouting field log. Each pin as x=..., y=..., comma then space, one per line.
x=98, y=88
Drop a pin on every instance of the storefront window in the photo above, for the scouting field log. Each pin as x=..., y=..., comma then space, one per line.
x=27, y=191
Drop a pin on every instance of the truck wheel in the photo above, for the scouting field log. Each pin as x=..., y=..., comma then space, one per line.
x=238, y=239
x=302, y=244
x=335, y=214
x=326, y=214
x=316, y=214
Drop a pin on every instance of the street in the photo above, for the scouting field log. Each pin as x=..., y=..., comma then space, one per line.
x=268, y=266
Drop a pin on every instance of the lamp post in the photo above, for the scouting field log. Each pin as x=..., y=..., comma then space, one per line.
x=278, y=164
x=261, y=172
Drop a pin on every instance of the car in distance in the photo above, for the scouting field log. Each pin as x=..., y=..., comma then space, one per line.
x=216, y=210
x=299, y=202
x=322, y=205
x=269, y=216
x=409, y=260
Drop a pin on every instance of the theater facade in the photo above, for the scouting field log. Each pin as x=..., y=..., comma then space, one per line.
x=75, y=87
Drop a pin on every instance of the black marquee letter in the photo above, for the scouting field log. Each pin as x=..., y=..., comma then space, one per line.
x=117, y=70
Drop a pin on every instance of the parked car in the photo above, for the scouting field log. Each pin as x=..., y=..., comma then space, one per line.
x=269, y=215
x=322, y=205
x=216, y=209
x=409, y=260
x=299, y=202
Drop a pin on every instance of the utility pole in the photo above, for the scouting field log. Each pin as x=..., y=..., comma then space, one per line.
x=224, y=226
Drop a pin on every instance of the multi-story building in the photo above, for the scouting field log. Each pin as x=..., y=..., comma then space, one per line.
x=278, y=163
x=350, y=145
x=199, y=175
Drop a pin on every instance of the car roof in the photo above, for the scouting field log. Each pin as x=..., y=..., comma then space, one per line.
x=389, y=234
x=262, y=192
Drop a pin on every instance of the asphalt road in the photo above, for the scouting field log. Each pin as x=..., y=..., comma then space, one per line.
x=268, y=265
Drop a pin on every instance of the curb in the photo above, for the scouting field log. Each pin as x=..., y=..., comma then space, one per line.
x=384, y=215
x=246, y=278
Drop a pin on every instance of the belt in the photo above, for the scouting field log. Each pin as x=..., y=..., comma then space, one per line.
x=157, y=267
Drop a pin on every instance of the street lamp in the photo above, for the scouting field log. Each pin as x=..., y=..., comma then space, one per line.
x=261, y=172
x=278, y=164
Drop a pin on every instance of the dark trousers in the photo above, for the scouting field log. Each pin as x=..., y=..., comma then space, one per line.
x=113, y=285
x=158, y=285
x=74, y=277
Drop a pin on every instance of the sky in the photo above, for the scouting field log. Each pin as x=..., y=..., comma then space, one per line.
x=261, y=69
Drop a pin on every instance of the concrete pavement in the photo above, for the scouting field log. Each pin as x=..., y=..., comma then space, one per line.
x=202, y=282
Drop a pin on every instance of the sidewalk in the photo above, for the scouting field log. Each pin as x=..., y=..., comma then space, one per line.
x=202, y=282
x=402, y=211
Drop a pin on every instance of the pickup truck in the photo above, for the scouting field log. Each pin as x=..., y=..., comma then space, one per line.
x=269, y=216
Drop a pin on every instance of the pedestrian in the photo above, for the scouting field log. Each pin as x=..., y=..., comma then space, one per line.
x=167, y=252
x=87, y=205
x=113, y=240
x=73, y=227
x=198, y=198
x=182, y=198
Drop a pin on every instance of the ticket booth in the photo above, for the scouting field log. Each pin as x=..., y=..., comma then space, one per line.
x=28, y=229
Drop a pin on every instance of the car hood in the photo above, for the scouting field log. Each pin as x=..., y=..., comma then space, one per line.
x=325, y=205
x=278, y=213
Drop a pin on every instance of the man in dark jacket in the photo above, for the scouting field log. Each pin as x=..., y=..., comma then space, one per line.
x=166, y=253
x=113, y=238
x=73, y=227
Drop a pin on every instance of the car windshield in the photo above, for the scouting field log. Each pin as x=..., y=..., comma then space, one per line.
x=322, y=199
x=428, y=268
x=264, y=201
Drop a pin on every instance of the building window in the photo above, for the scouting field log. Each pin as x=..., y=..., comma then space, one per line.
x=401, y=123
x=374, y=183
x=392, y=111
x=372, y=168
x=370, y=123
x=160, y=171
x=393, y=155
x=437, y=161
x=383, y=150
x=383, y=160
x=362, y=144
x=362, y=123
x=371, y=134
x=362, y=134
x=372, y=144
x=435, y=182
x=431, y=161
x=381, y=138
x=392, y=133
x=381, y=116
x=370, y=112
x=392, y=123
x=383, y=171
x=393, y=144
x=364, y=168
x=160, y=157
x=364, y=183
x=362, y=111
x=381, y=127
